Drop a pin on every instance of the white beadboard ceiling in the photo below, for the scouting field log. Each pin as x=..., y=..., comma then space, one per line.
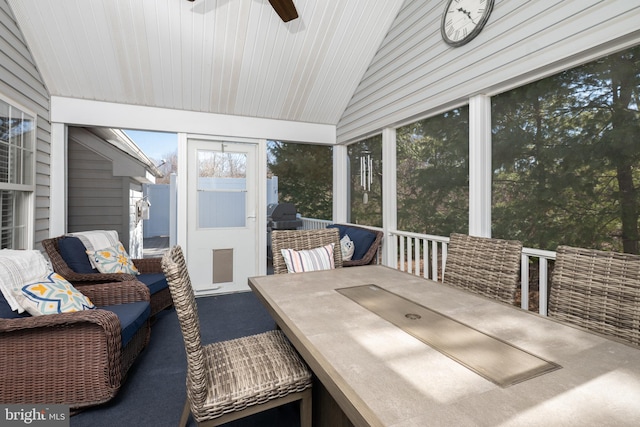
x=220, y=56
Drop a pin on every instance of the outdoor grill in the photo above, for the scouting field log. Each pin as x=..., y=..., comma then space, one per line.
x=281, y=216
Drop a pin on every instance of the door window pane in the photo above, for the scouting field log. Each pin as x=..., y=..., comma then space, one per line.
x=222, y=189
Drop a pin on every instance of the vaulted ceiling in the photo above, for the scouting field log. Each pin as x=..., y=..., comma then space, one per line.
x=222, y=56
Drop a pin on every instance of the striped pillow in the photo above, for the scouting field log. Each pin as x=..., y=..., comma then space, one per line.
x=310, y=260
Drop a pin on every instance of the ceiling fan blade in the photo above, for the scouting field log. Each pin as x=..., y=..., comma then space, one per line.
x=285, y=9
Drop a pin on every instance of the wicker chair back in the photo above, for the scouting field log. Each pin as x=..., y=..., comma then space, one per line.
x=231, y=379
x=303, y=240
x=485, y=266
x=597, y=290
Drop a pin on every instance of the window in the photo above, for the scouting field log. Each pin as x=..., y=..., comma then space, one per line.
x=566, y=158
x=365, y=189
x=17, y=175
x=222, y=181
x=433, y=174
x=305, y=176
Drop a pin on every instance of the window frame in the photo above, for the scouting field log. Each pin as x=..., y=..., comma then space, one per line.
x=26, y=192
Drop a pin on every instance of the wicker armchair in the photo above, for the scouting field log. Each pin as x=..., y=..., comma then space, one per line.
x=303, y=240
x=597, y=290
x=160, y=296
x=75, y=359
x=232, y=379
x=485, y=266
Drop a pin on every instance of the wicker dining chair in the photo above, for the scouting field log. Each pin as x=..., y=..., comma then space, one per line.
x=597, y=290
x=303, y=240
x=232, y=379
x=485, y=266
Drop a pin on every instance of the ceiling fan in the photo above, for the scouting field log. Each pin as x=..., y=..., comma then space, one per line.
x=285, y=9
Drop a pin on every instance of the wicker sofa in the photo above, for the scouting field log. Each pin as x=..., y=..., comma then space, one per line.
x=75, y=267
x=367, y=243
x=78, y=359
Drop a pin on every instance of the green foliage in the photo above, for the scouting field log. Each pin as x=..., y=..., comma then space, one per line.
x=305, y=177
x=566, y=157
x=433, y=174
x=369, y=213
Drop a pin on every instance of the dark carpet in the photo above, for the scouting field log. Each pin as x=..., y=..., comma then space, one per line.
x=154, y=392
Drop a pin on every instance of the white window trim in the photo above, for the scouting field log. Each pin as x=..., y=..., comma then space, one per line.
x=30, y=189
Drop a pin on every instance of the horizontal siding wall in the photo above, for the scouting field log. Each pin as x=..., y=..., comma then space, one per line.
x=415, y=74
x=95, y=196
x=21, y=83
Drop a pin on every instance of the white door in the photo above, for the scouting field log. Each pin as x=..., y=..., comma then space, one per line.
x=221, y=215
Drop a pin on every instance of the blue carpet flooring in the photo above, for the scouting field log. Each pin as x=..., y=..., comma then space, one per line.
x=154, y=391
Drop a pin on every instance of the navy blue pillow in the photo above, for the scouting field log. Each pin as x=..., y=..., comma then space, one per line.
x=361, y=238
x=6, y=312
x=74, y=253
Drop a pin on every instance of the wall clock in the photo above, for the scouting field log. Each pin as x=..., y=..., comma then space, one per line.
x=462, y=20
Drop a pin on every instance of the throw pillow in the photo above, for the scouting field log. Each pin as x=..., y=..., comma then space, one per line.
x=113, y=259
x=362, y=238
x=347, y=247
x=309, y=260
x=18, y=267
x=53, y=294
x=74, y=253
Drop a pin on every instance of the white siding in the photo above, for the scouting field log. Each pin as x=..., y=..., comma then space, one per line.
x=20, y=81
x=415, y=74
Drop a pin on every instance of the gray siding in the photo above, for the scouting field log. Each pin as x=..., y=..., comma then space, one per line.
x=20, y=82
x=415, y=74
x=98, y=198
x=95, y=197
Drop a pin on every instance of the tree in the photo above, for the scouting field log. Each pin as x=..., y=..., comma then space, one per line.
x=566, y=157
x=305, y=177
x=365, y=181
x=433, y=174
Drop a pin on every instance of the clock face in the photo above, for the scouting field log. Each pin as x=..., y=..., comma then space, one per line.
x=463, y=20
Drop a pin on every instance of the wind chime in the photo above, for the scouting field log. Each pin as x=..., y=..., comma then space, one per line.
x=366, y=175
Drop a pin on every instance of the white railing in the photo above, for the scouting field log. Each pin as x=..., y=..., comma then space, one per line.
x=426, y=255
x=421, y=254
x=528, y=256
x=314, y=224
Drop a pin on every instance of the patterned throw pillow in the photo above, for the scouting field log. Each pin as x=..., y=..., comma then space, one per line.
x=309, y=260
x=347, y=247
x=53, y=294
x=113, y=259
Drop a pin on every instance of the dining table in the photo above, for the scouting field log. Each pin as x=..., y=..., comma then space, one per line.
x=390, y=348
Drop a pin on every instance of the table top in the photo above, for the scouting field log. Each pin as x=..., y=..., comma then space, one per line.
x=382, y=376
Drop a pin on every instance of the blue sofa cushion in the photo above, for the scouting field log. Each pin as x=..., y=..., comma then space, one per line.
x=74, y=253
x=132, y=316
x=6, y=312
x=154, y=281
x=362, y=239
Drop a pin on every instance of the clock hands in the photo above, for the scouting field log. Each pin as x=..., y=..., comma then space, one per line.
x=467, y=13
